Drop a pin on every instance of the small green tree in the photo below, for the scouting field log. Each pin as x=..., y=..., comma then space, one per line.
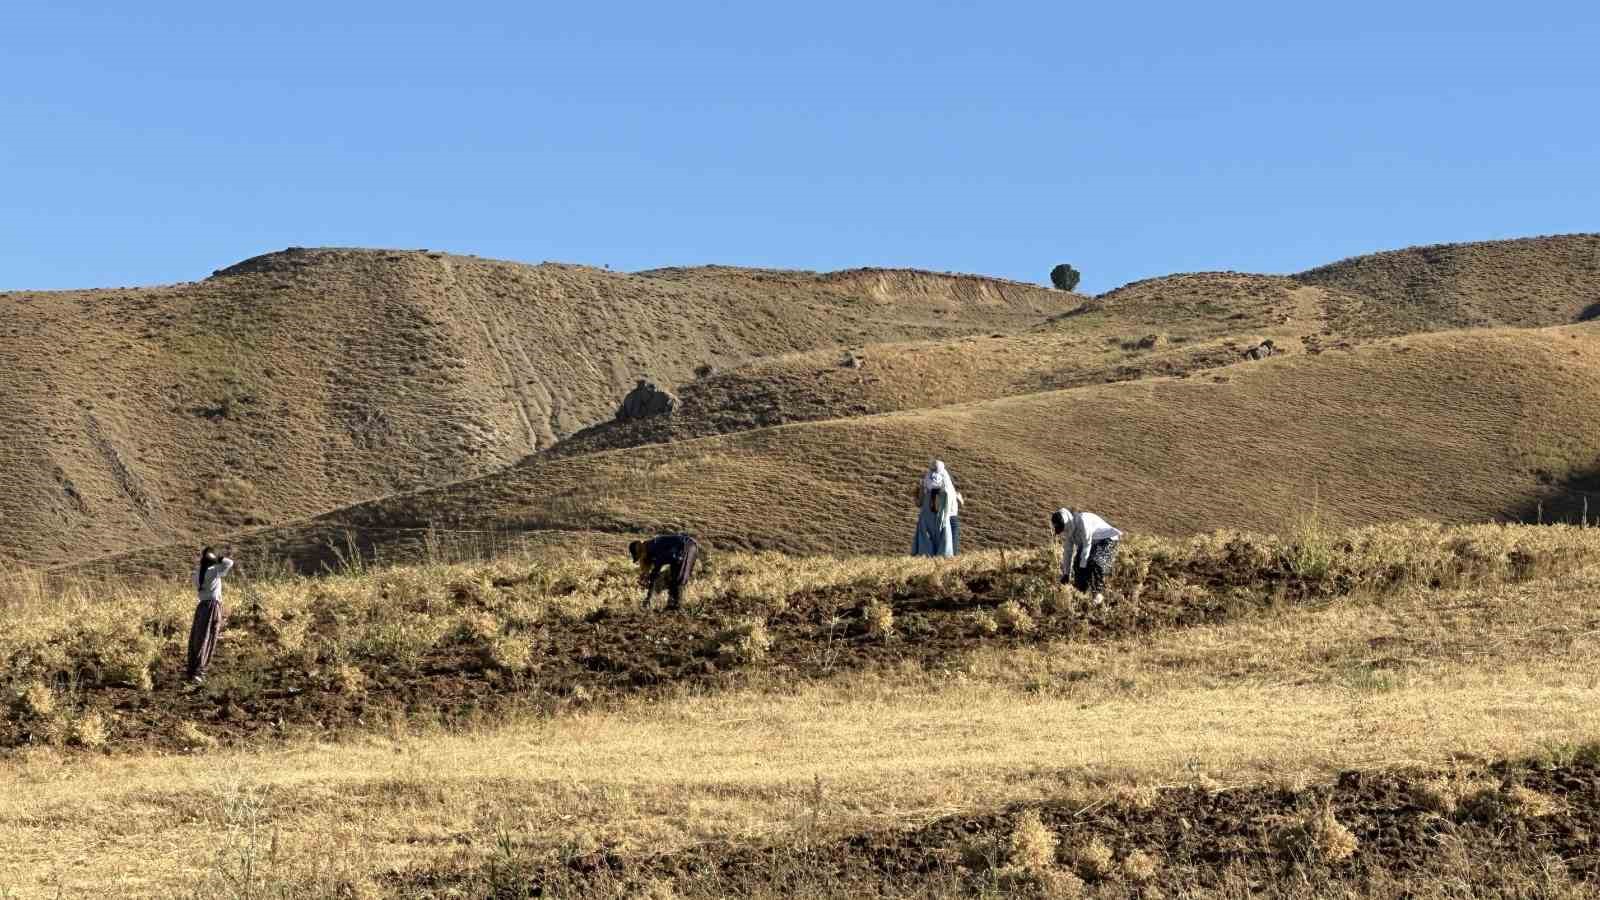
x=1064, y=277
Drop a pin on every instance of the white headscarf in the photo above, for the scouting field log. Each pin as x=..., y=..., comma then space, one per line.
x=938, y=478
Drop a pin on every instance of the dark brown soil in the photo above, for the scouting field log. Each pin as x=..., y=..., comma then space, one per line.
x=1228, y=843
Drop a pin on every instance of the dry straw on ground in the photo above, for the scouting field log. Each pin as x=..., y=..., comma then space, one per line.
x=1399, y=672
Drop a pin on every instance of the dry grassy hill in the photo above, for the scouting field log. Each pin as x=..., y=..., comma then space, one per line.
x=300, y=381
x=1170, y=326
x=880, y=378
x=1175, y=325
x=1462, y=426
x=1528, y=282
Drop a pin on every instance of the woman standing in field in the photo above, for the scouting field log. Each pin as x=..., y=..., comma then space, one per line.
x=1088, y=550
x=207, y=613
x=936, y=503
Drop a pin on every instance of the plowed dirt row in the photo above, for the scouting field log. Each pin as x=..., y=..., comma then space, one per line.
x=264, y=691
x=1505, y=830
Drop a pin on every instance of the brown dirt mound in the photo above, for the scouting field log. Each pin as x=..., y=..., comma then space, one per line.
x=1371, y=834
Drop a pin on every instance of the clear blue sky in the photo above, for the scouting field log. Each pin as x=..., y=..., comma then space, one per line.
x=153, y=142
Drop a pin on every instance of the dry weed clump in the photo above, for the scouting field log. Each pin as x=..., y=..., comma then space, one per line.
x=1014, y=618
x=1136, y=796
x=1487, y=801
x=89, y=731
x=1317, y=836
x=1021, y=864
x=1038, y=884
x=511, y=653
x=190, y=737
x=985, y=623
x=349, y=680
x=879, y=619
x=1530, y=803
x=1436, y=795
x=1033, y=846
x=37, y=700
x=1139, y=867
x=743, y=644
x=37, y=708
x=125, y=660
x=1092, y=859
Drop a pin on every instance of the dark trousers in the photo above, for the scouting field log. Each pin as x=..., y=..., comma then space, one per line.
x=1091, y=578
x=203, y=636
x=679, y=571
x=955, y=535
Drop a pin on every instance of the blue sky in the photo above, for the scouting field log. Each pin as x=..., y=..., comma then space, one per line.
x=153, y=142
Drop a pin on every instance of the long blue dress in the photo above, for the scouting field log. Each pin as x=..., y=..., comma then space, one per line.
x=933, y=536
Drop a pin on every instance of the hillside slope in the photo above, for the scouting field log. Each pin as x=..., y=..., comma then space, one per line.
x=1176, y=325
x=1462, y=427
x=1527, y=282
x=303, y=380
x=1168, y=326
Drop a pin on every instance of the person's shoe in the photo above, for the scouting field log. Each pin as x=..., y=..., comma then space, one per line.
x=1099, y=599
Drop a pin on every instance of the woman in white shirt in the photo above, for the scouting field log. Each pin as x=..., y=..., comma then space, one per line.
x=1088, y=550
x=208, y=614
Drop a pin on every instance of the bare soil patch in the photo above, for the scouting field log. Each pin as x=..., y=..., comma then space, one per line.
x=1523, y=830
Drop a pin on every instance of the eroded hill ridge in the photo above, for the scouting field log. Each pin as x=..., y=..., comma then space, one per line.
x=299, y=381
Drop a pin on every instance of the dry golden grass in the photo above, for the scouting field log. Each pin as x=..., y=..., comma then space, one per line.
x=1421, y=676
x=304, y=380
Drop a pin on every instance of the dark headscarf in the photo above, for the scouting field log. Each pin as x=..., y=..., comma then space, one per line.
x=208, y=558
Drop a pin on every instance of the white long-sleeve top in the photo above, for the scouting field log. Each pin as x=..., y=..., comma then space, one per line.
x=1083, y=529
x=211, y=581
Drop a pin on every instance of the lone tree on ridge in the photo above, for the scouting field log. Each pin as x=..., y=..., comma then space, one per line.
x=1064, y=277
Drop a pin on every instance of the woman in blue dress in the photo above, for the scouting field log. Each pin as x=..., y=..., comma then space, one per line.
x=935, y=504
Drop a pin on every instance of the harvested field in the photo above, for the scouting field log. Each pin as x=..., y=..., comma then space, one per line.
x=436, y=678
x=462, y=645
x=859, y=758
x=1506, y=830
